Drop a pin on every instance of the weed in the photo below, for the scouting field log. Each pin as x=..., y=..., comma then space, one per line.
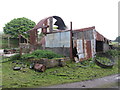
x=15, y=57
x=46, y=54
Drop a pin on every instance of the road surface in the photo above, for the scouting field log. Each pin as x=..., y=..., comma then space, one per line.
x=105, y=82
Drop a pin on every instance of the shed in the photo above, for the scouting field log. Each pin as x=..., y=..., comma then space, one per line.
x=87, y=41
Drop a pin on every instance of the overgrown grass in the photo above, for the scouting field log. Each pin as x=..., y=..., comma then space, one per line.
x=41, y=54
x=72, y=72
x=58, y=75
x=36, y=55
x=46, y=54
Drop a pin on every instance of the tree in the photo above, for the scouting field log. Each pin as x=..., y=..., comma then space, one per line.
x=117, y=39
x=18, y=26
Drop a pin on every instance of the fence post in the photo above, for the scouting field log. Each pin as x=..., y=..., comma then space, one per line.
x=71, y=41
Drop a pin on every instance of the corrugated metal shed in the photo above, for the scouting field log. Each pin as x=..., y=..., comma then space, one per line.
x=88, y=39
x=59, y=39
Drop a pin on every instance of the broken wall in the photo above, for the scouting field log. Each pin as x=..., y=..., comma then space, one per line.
x=106, y=47
x=58, y=42
x=59, y=39
x=85, y=43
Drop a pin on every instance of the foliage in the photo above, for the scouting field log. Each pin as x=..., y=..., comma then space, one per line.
x=39, y=54
x=72, y=72
x=58, y=75
x=28, y=56
x=18, y=26
x=15, y=57
x=117, y=39
x=104, y=60
x=113, y=53
x=45, y=54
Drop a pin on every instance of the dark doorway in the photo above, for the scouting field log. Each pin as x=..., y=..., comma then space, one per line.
x=99, y=46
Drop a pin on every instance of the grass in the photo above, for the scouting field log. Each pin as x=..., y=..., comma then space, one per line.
x=104, y=60
x=72, y=72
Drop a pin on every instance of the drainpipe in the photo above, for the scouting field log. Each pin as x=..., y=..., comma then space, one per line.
x=71, y=41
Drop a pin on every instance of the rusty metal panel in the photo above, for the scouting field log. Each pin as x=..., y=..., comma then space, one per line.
x=93, y=47
x=80, y=49
x=87, y=35
x=59, y=39
x=85, y=49
x=33, y=37
x=88, y=49
x=85, y=29
x=100, y=37
x=41, y=23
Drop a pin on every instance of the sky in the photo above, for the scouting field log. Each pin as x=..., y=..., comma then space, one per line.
x=103, y=14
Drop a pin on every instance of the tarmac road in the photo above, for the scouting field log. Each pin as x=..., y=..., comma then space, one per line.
x=105, y=82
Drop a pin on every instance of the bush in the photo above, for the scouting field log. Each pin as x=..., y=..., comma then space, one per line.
x=113, y=53
x=15, y=57
x=46, y=54
x=104, y=60
x=28, y=56
x=36, y=55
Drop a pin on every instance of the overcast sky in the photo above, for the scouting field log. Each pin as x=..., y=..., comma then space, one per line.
x=103, y=14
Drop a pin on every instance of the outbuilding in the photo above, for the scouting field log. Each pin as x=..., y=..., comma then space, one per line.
x=84, y=43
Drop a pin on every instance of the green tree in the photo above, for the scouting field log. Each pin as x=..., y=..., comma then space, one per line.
x=18, y=26
x=117, y=39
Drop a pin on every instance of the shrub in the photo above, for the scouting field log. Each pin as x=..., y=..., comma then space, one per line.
x=46, y=54
x=113, y=53
x=28, y=56
x=15, y=57
x=104, y=60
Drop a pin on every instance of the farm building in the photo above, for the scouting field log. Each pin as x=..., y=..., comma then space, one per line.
x=84, y=43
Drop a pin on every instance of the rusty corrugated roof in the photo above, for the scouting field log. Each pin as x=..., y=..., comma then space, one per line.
x=40, y=24
x=85, y=29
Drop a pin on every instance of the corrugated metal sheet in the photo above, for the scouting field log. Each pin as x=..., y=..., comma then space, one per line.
x=85, y=29
x=88, y=35
x=33, y=37
x=100, y=37
x=88, y=49
x=85, y=42
x=41, y=23
x=80, y=49
x=86, y=39
x=60, y=39
x=93, y=47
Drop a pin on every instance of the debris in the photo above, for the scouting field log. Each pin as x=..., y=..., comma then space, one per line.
x=60, y=23
x=62, y=75
x=23, y=66
x=39, y=67
x=24, y=71
x=13, y=61
x=104, y=60
x=103, y=65
x=62, y=62
x=31, y=66
x=83, y=85
x=16, y=68
x=20, y=63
